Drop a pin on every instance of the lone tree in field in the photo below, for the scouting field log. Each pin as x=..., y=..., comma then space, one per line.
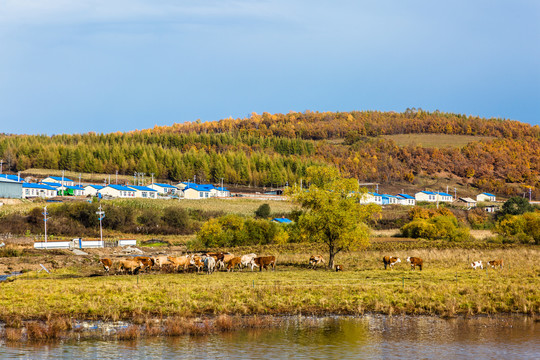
x=263, y=211
x=332, y=212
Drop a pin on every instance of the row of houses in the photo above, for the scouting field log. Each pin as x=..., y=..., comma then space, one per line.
x=425, y=196
x=52, y=186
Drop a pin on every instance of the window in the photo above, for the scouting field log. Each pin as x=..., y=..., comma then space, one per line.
x=144, y=195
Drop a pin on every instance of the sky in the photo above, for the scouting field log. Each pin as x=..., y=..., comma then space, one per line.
x=119, y=65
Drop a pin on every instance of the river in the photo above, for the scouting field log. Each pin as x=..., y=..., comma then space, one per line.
x=366, y=337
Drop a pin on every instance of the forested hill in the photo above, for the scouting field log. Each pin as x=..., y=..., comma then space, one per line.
x=274, y=149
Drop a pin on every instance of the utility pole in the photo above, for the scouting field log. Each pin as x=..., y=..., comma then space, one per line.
x=152, y=177
x=116, y=177
x=45, y=213
x=135, y=178
x=455, y=194
x=530, y=194
x=1, y=163
x=101, y=215
x=80, y=175
x=19, y=176
x=194, y=179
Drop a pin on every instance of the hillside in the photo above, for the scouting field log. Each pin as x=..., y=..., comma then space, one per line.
x=390, y=148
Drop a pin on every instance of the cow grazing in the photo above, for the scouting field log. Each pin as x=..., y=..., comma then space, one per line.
x=315, y=260
x=130, y=266
x=179, y=262
x=495, y=263
x=245, y=260
x=415, y=261
x=209, y=264
x=264, y=261
x=147, y=262
x=107, y=264
x=390, y=261
x=477, y=264
x=339, y=268
x=234, y=262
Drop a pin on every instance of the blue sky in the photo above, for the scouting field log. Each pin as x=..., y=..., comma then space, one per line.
x=116, y=65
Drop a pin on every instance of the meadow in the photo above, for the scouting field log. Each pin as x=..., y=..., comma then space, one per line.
x=447, y=286
x=435, y=140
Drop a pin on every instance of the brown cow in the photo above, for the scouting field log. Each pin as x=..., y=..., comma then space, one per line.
x=495, y=263
x=264, y=261
x=315, y=260
x=415, y=261
x=181, y=261
x=147, y=261
x=339, y=268
x=222, y=259
x=197, y=262
x=107, y=264
x=234, y=262
x=130, y=266
x=390, y=261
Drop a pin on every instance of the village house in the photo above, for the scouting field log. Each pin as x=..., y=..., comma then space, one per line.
x=486, y=197
x=468, y=202
x=38, y=190
x=92, y=189
x=117, y=191
x=404, y=199
x=220, y=192
x=144, y=192
x=58, y=179
x=433, y=196
x=10, y=189
x=163, y=189
x=15, y=178
x=194, y=191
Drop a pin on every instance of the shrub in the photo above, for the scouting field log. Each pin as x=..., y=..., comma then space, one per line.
x=263, y=211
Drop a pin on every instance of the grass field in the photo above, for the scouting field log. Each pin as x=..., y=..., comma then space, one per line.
x=447, y=286
x=435, y=140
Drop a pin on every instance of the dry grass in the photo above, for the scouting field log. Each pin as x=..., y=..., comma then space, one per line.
x=435, y=140
x=446, y=286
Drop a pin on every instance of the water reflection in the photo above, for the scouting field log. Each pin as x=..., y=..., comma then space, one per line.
x=369, y=337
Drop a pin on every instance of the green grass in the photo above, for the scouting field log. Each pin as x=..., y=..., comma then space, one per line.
x=435, y=140
x=446, y=286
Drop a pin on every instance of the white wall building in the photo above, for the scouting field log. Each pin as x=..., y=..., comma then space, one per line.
x=30, y=190
x=432, y=196
x=144, y=192
x=117, y=191
x=486, y=197
x=59, y=180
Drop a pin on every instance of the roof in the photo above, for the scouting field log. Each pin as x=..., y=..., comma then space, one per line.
x=221, y=189
x=282, y=220
x=405, y=196
x=76, y=187
x=55, y=185
x=488, y=194
x=37, y=186
x=201, y=187
x=142, y=188
x=435, y=193
x=119, y=187
x=11, y=177
x=469, y=200
x=164, y=185
x=98, y=187
x=58, y=178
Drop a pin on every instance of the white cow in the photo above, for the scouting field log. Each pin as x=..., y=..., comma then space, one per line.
x=477, y=264
x=245, y=260
x=209, y=264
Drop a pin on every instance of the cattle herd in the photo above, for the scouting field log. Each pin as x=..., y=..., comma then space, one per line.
x=208, y=262
x=215, y=261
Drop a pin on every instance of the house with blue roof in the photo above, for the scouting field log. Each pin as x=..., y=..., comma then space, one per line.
x=71, y=190
x=282, y=220
x=163, y=189
x=144, y=192
x=60, y=180
x=404, y=199
x=486, y=197
x=433, y=196
x=92, y=189
x=117, y=191
x=220, y=192
x=195, y=191
x=16, y=178
x=30, y=190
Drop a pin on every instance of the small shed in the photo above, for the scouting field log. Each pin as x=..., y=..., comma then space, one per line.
x=470, y=203
x=282, y=220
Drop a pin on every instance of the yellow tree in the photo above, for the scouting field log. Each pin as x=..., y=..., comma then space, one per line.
x=332, y=213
